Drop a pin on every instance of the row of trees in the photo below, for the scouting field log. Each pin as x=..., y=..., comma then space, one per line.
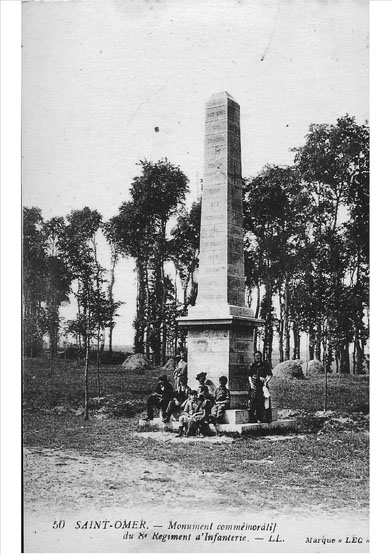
x=307, y=246
x=60, y=260
x=306, y=255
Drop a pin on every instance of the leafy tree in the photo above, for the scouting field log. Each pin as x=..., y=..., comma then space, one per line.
x=57, y=281
x=78, y=243
x=357, y=238
x=160, y=192
x=262, y=203
x=141, y=231
x=34, y=260
x=306, y=245
x=333, y=164
x=113, y=305
x=129, y=234
x=275, y=221
x=184, y=250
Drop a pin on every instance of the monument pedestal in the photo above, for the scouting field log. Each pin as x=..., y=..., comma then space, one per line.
x=220, y=347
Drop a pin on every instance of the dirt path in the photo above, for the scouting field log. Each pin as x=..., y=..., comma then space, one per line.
x=68, y=480
x=84, y=491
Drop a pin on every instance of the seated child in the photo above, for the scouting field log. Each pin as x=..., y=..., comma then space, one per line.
x=222, y=401
x=188, y=409
x=205, y=387
x=200, y=419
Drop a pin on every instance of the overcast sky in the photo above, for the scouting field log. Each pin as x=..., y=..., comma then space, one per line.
x=100, y=76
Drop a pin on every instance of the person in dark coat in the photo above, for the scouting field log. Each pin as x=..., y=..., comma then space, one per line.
x=222, y=401
x=259, y=375
x=161, y=397
x=175, y=406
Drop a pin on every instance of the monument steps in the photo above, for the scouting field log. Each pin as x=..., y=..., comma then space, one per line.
x=236, y=421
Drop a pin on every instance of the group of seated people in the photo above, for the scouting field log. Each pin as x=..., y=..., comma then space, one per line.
x=196, y=409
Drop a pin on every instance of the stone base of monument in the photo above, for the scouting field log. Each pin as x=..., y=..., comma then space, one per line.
x=235, y=421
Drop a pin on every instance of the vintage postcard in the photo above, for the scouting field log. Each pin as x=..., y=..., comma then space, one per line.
x=195, y=191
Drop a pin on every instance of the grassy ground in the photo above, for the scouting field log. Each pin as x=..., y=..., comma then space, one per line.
x=326, y=465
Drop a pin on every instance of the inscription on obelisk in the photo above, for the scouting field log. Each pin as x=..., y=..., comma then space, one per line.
x=220, y=326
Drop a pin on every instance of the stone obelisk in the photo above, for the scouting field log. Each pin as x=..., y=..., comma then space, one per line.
x=220, y=326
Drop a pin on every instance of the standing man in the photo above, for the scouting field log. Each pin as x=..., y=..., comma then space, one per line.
x=259, y=396
x=180, y=373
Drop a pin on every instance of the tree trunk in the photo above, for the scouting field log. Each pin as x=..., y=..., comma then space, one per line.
x=337, y=360
x=185, y=286
x=311, y=343
x=325, y=389
x=281, y=326
x=329, y=357
x=86, y=369
x=257, y=309
x=257, y=312
x=141, y=301
x=286, y=320
x=163, y=323
x=98, y=363
x=269, y=329
x=79, y=339
x=114, y=260
x=111, y=340
x=163, y=295
x=87, y=339
x=53, y=315
x=155, y=313
x=344, y=359
x=248, y=296
x=318, y=342
x=176, y=305
x=359, y=356
x=297, y=341
x=164, y=344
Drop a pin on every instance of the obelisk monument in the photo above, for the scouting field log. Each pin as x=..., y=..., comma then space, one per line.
x=220, y=326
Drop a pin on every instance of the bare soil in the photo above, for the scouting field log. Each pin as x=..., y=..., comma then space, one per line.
x=109, y=462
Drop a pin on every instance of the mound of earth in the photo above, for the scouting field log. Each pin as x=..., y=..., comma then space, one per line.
x=136, y=362
x=314, y=367
x=289, y=370
x=169, y=366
